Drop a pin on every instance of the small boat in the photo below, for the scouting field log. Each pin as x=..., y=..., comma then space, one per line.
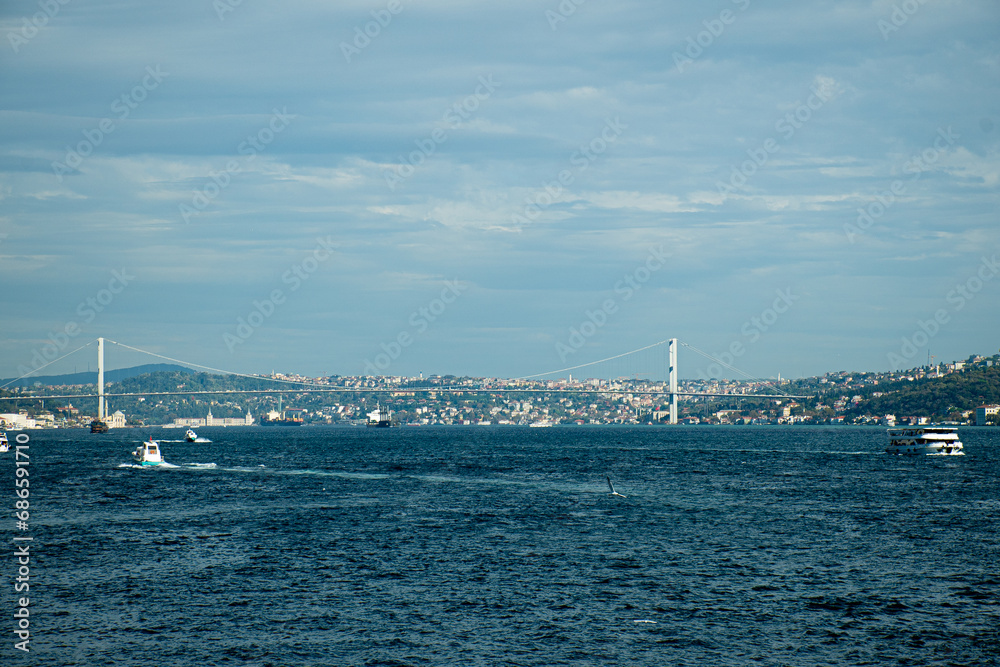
x=148, y=453
x=379, y=417
x=191, y=436
x=4, y=443
x=925, y=440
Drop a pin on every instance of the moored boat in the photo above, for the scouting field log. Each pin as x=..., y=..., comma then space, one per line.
x=925, y=440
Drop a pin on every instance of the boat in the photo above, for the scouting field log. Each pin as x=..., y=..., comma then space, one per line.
x=925, y=440
x=4, y=443
x=379, y=417
x=98, y=426
x=542, y=423
x=148, y=453
x=191, y=436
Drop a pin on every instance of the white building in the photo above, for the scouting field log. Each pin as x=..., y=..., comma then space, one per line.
x=16, y=421
x=983, y=413
x=210, y=420
x=116, y=420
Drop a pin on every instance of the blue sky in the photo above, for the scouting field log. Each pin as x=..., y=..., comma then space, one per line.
x=500, y=190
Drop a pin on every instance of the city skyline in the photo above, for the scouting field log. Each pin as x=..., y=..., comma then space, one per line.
x=396, y=187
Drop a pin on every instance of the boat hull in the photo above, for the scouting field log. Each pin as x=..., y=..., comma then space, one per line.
x=925, y=451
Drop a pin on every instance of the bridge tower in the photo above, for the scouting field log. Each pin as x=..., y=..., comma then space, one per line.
x=672, y=369
x=100, y=380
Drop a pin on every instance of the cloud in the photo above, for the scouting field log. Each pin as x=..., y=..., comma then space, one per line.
x=455, y=215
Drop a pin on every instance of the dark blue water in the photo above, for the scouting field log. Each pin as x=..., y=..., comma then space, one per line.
x=502, y=546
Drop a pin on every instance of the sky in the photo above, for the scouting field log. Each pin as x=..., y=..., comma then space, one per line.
x=394, y=187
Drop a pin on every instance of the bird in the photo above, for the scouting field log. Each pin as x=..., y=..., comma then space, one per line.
x=612, y=487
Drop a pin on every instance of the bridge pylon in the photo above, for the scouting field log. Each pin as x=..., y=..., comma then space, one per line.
x=672, y=369
x=101, y=412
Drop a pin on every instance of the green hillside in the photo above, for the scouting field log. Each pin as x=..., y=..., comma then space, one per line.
x=943, y=398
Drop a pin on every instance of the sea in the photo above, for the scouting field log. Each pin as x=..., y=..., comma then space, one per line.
x=497, y=545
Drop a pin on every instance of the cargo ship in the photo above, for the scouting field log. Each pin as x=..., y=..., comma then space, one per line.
x=379, y=417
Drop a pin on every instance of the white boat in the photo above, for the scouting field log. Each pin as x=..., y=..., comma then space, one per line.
x=4, y=443
x=542, y=423
x=379, y=417
x=925, y=440
x=191, y=436
x=148, y=453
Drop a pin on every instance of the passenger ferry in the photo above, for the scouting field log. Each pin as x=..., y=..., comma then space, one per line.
x=148, y=453
x=927, y=440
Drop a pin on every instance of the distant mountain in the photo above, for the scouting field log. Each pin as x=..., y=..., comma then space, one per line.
x=90, y=377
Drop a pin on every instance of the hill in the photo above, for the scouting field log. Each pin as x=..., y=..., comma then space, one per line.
x=940, y=398
x=90, y=377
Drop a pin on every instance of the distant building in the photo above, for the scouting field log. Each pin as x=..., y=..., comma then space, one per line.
x=116, y=420
x=984, y=412
x=16, y=421
x=211, y=420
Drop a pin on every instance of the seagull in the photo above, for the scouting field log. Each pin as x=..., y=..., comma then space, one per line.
x=612, y=487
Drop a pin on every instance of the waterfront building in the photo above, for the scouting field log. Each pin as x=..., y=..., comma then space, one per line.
x=985, y=412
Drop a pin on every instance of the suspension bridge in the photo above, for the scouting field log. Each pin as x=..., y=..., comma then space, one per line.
x=669, y=390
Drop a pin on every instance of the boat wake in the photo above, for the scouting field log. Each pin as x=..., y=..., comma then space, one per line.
x=164, y=464
x=199, y=439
